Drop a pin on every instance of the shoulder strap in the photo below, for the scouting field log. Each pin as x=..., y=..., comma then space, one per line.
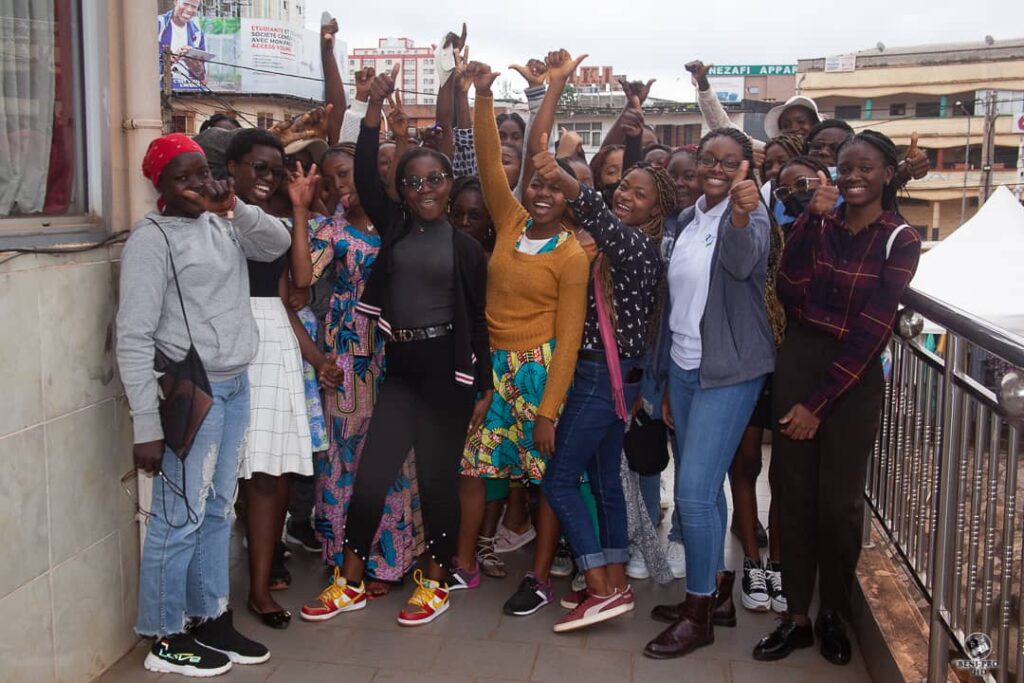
x=892, y=239
x=177, y=286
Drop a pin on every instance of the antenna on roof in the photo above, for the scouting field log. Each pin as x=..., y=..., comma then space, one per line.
x=989, y=40
x=881, y=46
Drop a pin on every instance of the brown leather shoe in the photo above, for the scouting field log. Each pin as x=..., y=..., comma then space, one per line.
x=725, y=609
x=692, y=631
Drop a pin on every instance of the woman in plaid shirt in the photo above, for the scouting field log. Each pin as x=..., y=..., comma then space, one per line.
x=842, y=274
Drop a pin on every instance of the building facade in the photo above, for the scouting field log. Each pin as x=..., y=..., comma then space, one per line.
x=418, y=76
x=939, y=92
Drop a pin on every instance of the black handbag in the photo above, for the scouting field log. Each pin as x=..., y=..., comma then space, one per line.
x=646, y=444
x=185, y=394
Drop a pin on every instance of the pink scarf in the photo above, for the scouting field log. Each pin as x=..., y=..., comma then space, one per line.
x=611, y=347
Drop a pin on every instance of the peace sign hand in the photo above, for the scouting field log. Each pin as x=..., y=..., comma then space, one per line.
x=303, y=187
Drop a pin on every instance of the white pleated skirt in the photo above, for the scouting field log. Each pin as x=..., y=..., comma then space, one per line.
x=278, y=441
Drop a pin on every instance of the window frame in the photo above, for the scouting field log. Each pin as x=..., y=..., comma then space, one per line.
x=92, y=95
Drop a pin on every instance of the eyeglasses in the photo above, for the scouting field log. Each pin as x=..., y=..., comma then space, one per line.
x=262, y=168
x=432, y=181
x=710, y=161
x=806, y=184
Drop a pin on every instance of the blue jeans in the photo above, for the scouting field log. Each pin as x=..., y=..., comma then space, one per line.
x=709, y=425
x=589, y=439
x=184, y=571
x=650, y=492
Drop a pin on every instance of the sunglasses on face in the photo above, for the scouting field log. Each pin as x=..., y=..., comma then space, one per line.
x=805, y=184
x=710, y=161
x=432, y=181
x=262, y=168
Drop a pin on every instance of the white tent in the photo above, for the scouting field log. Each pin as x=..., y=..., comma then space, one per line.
x=980, y=267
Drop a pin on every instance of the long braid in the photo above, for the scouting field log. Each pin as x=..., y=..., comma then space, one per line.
x=653, y=228
x=773, y=307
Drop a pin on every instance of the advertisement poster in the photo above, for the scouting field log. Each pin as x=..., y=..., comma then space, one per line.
x=230, y=55
x=728, y=89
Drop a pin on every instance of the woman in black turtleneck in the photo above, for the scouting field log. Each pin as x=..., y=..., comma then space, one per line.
x=427, y=293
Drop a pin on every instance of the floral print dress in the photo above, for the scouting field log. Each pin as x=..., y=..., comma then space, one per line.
x=343, y=251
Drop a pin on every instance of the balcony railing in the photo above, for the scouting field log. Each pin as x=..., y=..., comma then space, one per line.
x=943, y=484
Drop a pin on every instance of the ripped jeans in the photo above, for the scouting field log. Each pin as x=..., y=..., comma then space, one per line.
x=184, y=571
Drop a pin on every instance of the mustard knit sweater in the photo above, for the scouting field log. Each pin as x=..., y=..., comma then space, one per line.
x=531, y=299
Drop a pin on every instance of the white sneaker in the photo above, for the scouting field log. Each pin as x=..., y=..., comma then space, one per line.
x=507, y=541
x=773, y=576
x=755, y=587
x=676, y=557
x=636, y=568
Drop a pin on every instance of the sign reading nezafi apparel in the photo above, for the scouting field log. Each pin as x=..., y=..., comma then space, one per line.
x=752, y=70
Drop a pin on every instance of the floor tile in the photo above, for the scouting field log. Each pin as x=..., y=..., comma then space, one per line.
x=292, y=671
x=572, y=665
x=486, y=658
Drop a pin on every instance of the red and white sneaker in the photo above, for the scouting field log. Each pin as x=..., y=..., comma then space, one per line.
x=428, y=602
x=629, y=597
x=593, y=610
x=340, y=596
x=572, y=599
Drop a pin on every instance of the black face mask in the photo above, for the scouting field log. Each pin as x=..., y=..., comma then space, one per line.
x=796, y=203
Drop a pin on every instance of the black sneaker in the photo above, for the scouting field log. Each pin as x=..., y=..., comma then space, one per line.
x=219, y=634
x=773, y=575
x=181, y=654
x=530, y=597
x=302, y=534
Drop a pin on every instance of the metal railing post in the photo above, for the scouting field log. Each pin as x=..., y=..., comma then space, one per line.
x=942, y=560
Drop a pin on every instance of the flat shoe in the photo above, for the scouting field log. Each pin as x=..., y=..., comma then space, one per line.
x=279, y=619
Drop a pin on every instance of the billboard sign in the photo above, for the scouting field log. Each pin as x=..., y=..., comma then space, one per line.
x=228, y=55
x=752, y=70
x=841, y=63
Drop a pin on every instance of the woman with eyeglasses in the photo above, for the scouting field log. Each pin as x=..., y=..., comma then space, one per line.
x=280, y=441
x=717, y=347
x=843, y=272
x=426, y=293
x=536, y=305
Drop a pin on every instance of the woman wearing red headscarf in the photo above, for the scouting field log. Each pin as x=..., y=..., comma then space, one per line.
x=184, y=285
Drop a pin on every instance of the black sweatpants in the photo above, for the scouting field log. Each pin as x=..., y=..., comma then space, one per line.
x=819, y=484
x=420, y=406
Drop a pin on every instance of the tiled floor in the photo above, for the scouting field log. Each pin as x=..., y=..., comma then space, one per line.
x=475, y=642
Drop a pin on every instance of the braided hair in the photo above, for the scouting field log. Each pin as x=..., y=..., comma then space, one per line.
x=773, y=307
x=597, y=163
x=342, y=148
x=790, y=143
x=890, y=157
x=809, y=162
x=653, y=228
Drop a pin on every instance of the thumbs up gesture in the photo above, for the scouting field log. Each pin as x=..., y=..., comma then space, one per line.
x=743, y=195
x=825, y=196
x=549, y=170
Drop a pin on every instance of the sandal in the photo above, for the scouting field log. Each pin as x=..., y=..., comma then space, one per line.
x=377, y=589
x=280, y=577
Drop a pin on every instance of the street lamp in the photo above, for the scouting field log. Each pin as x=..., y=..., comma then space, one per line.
x=967, y=162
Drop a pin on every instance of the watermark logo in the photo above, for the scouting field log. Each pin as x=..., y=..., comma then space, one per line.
x=978, y=647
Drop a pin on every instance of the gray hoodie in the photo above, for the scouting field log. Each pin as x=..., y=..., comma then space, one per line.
x=209, y=255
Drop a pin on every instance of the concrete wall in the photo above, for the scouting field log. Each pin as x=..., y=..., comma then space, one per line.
x=70, y=554
x=69, y=568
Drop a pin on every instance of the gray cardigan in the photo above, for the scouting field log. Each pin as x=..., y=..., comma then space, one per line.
x=736, y=339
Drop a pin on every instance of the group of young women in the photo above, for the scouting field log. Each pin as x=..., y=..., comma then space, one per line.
x=435, y=332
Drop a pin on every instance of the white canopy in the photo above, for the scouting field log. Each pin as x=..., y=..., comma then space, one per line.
x=979, y=267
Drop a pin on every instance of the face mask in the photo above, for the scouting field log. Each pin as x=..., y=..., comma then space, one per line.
x=796, y=203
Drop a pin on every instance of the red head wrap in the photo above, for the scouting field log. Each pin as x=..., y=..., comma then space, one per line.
x=162, y=150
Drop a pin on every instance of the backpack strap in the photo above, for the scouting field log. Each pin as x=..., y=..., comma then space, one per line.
x=892, y=239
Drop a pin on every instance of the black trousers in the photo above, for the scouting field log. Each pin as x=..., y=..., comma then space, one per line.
x=420, y=407
x=819, y=484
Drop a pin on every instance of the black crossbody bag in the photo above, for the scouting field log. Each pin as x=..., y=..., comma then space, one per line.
x=185, y=394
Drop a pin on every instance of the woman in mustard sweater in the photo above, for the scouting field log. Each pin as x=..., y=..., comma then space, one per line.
x=536, y=305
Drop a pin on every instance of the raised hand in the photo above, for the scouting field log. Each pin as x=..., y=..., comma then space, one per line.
x=215, y=196
x=398, y=120
x=535, y=72
x=456, y=42
x=547, y=168
x=462, y=80
x=632, y=121
x=825, y=196
x=383, y=85
x=916, y=161
x=363, y=79
x=743, y=195
x=561, y=65
x=327, y=33
x=636, y=91
x=569, y=143
x=482, y=77
x=699, y=73
x=303, y=187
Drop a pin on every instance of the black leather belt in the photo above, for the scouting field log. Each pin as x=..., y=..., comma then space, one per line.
x=592, y=354
x=421, y=333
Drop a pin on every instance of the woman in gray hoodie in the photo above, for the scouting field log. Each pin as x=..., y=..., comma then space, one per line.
x=199, y=240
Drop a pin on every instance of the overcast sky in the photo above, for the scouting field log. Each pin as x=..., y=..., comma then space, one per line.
x=654, y=38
